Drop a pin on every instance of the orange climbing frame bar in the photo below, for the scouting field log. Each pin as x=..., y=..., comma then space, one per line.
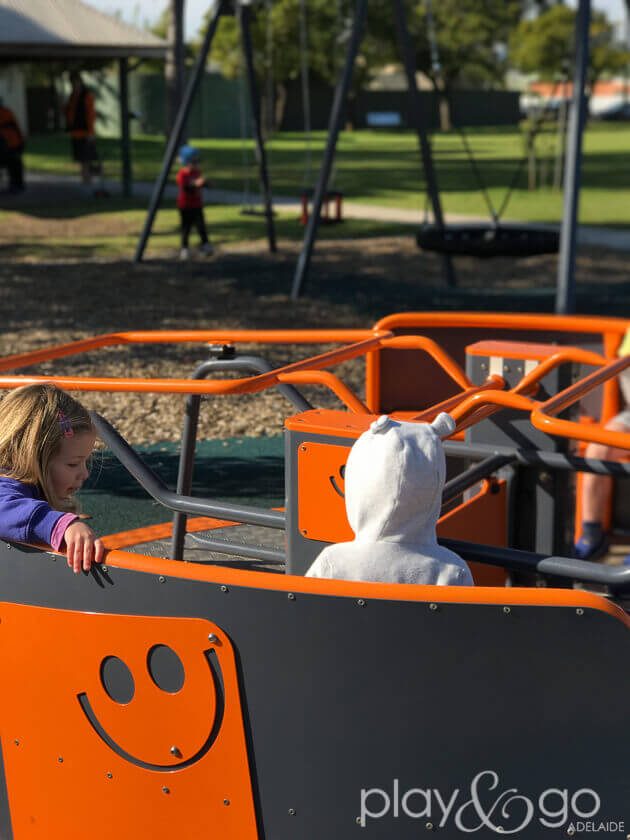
x=611, y=331
x=543, y=418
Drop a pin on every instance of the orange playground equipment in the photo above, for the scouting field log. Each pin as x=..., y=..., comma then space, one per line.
x=197, y=684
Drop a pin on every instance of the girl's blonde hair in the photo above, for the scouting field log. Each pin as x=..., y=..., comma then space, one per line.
x=33, y=422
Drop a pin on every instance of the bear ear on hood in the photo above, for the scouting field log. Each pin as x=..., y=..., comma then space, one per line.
x=443, y=425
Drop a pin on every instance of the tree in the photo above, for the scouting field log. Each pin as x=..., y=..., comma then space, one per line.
x=280, y=57
x=545, y=45
x=462, y=42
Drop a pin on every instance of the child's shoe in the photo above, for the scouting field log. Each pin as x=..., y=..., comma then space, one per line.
x=207, y=249
x=593, y=543
x=184, y=254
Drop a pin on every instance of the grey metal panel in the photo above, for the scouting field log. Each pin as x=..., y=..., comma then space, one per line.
x=340, y=697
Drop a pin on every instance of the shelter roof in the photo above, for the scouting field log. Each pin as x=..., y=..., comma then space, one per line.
x=39, y=29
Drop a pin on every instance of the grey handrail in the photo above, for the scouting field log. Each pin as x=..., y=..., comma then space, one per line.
x=616, y=578
x=156, y=488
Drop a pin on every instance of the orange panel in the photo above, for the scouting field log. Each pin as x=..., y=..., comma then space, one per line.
x=323, y=421
x=321, y=503
x=164, y=759
x=481, y=519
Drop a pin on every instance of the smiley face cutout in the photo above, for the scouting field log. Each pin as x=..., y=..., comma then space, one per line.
x=156, y=707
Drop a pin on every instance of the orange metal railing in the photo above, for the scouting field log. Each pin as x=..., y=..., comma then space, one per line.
x=469, y=406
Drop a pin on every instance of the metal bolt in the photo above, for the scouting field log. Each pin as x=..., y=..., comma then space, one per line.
x=291, y=596
x=176, y=751
x=17, y=742
x=304, y=532
x=9, y=546
x=361, y=602
x=303, y=448
x=580, y=611
x=60, y=759
x=224, y=588
x=429, y=826
x=226, y=801
x=506, y=369
x=433, y=607
x=161, y=578
x=507, y=610
x=570, y=831
x=104, y=569
x=212, y=638
x=166, y=790
x=109, y=775
x=291, y=812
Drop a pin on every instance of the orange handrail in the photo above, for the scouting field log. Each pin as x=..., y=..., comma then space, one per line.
x=84, y=345
x=421, y=342
x=529, y=321
x=543, y=418
x=328, y=380
x=504, y=399
x=492, y=383
x=247, y=385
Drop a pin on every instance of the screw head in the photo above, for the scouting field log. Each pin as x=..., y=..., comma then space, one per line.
x=166, y=790
x=213, y=638
x=226, y=801
x=507, y=610
x=224, y=588
x=291, y=596
x=176, y=751
x=291, y=812
x=429, y=826
x=433, y=607
x=579, y=611
x=17, y=742
x=161, y=578
x=360, y=602
x=104, y=569
x=109, y=775
x=60, y=759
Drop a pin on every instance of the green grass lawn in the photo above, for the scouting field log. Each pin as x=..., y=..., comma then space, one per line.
x=383, y=168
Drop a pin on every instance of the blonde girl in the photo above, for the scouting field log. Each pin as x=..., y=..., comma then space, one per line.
x=46, y=439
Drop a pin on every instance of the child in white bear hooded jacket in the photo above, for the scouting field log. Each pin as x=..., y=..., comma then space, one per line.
x=394, y=478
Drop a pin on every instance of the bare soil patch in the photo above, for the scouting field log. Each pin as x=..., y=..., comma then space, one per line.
x=351, y=285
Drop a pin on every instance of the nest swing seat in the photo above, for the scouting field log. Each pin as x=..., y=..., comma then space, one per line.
x=486, y=240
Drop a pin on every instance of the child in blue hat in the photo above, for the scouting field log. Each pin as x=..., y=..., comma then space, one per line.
x=190, y=183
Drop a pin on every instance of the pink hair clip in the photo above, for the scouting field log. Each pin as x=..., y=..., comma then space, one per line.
x=65, y=425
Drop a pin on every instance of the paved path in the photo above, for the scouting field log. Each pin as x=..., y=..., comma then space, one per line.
x=59, y=187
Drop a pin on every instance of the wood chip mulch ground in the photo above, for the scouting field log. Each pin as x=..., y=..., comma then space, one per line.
x=351, y=285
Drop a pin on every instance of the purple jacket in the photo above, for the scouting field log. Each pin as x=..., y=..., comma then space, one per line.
x=24, y=515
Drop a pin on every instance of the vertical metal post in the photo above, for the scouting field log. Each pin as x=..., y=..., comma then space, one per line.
x=174, y=71
x=244, y=16
x=406, y=48
x=565, y=289
x=247, y=364
x=176, y=131
x=336, y=116
x=125, y=141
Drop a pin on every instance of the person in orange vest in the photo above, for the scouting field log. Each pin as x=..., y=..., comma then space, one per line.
x=80, y=118
x=11, y=148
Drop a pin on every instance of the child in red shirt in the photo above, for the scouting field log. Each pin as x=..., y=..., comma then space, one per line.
x=190, y=182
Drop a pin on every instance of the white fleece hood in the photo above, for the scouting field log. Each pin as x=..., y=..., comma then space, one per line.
x=394, y=479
